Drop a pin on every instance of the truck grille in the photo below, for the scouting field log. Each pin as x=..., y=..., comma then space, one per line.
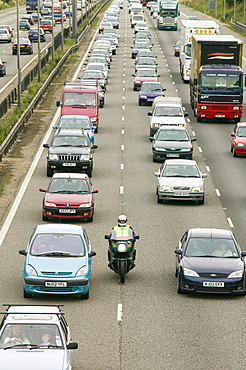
x=69, y=158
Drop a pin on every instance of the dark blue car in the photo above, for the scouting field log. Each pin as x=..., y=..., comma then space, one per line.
x=149, y=91
x=210, y=261
x=33, y=35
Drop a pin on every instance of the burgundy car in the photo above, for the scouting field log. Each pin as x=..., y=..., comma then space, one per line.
x=69, y=195
x=144, y=75
x=238, y=139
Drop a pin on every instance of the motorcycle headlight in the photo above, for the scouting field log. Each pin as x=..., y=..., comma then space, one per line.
x=53, y=157
x=85, y=205
x=197, y=189
x=47, y=204
x=189, y=272
x=31, y=270
x=236, y=275
x=122, y=247
x=83, y=271
x=165, y=188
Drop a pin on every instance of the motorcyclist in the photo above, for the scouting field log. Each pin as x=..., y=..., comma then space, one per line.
x=122, y=222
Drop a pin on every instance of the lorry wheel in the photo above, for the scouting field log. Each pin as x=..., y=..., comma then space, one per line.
x=199, y=119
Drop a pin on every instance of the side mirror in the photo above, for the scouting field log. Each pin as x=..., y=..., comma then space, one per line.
x=55, y=127
x=72, y=345
x=58, y=103
x=134, y=75
x=46, y=146
x=186, y=114
x=92, y=254
x=95, y=191
x=204, y=175
x=151, y=138
x=193, y=139
x=136, y=237
x=157, y=174
x=106, y=236
x=233, y=135
x=243, y=254
x=164, y=89
x=42, y=190
x=149, y=114
x=23, y=252
x=178, y=251
x=94, y=146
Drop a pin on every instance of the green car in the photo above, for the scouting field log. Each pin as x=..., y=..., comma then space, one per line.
x=24, y=25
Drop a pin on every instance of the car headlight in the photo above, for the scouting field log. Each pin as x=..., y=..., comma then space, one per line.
x=85, y=205
x=236, y=275
x=143, y=96
x=31, y=270
x=155, y=125
x=53, y=157
x=47, y=204
x=137, y=82
x=85, y=157
x=204, y=107
x=189, y=272
x=165, y=188
x=121, y=247
x=83, y=271
x=240, y=144
x=185, y=149
x=197, y=189
x=93, y=119
x=158, y=148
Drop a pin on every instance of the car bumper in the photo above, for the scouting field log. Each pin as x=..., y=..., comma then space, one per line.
x=181, y=195
x=36, y=285
x=59, y=212
x=240, y=150
x=196, y=285
x=70, y=167
x=160, y=156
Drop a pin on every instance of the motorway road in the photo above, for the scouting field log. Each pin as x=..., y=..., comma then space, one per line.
x=157, y=328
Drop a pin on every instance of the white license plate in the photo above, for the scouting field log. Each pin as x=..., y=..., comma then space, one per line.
x=214, y=284
x=173, y=155
x=150, y=99
x=56, y=283
x=220, y=115
x=67, y=210
x=69, y=164
x=180, y=194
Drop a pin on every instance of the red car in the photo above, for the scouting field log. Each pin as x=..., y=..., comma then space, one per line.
x=69, y=195
x=144, y=75
x=46, y=25
x=238, y=139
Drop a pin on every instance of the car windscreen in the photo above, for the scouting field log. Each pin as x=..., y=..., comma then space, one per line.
x=168, y=111
x=31, y=335
x=68, y=186
x=172, y=135
x=68, y=140
x=57, y=245
x=79, y=99
x=212, y=247
x=172, y=170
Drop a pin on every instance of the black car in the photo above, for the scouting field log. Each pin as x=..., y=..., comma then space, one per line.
x=2, y=68
x=171, y=142
x=70, y=151
x=210, y=261
x=25, y=46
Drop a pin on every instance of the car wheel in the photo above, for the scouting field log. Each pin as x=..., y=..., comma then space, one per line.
x=201, y=201
x=234, y=152
x=44, y=218
x=179, y=291
x=26, y=295
x=2, y=74
x=86, y=295
x=101, y=105
x=49, y=172
x=154, y=159
x=159, y=200
x=139, y=103
x=90, y=219
x=89, y=172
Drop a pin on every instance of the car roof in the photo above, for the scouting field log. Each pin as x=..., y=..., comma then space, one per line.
x=187, y=162
x=210, y=233
x=58, y=228
x=171, y=128
x=241, y=124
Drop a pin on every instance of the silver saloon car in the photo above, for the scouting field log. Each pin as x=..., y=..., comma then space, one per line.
x=180, y=179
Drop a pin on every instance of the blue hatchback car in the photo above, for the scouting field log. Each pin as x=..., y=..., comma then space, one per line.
x=75, y=122
x=149, y=91
x=58, y=261
x=210, y=261
x=33, y=35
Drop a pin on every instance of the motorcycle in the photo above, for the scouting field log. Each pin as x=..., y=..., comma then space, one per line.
x=121, y=252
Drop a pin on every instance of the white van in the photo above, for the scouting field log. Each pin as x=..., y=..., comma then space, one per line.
x=166, y=111
x=139, y=17
x=135, y=8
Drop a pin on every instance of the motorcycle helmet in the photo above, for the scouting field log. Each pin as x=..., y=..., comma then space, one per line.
x=122, y=220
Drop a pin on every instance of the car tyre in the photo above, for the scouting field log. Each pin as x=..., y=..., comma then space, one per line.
x=44, y=218
x=231, y=149
x=26, y=295
x=201, y=201
x=86, y=295
x=234, y=152
x=90, y=219
x=159, y=200
x=154, y=159
x=49, y=172
x=179, y=291
x=139, y=103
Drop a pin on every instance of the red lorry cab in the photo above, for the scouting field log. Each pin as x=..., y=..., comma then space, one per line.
x=78, y=98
